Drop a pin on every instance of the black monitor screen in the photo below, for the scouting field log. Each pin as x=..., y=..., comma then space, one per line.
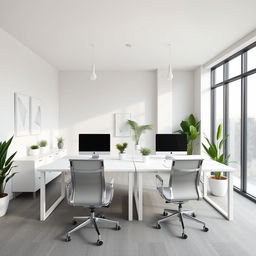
x=171, y=142
x=94, y=142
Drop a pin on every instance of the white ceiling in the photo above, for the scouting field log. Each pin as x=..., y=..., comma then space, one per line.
x=61, y=31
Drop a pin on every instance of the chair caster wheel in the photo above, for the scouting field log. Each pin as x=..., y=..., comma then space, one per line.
x=99, y=242
x=165, y=213
x=158, y=226
x=68, y=238
x=193, y=215
x=184, y=236
x=205, y=229
x=118, y=227
x=74, y=222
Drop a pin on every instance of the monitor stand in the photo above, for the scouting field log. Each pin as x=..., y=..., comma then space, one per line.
x=95, y=155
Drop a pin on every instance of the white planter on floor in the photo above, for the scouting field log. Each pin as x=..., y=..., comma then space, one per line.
x=4, y=202
x=145, y=159
x=218, y=187
x=122, y=156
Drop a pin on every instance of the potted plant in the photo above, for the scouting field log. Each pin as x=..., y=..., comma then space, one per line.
x=34, y=150
x=121, y=148
x=145, y=154
x=43, y=146
x=138, y=130
x=6, y=166
x=218, y=183
x=190, y=127
x=60, y=142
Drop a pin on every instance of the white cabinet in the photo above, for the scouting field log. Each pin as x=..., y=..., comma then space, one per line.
x=27, y=178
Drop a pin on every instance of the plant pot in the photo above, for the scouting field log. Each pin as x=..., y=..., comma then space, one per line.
x=34, y=152
x=43, y=150
x=145, y=159
x=60, y=145
x=218, y=187
x=4, y=202
x=122, y=156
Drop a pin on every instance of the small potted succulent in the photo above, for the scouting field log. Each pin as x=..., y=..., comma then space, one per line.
x=60, y=142
x=145, y=154
x=122, y=147
x=34, y=150
x=43, y=146
x=218, y=183
x=6, y=166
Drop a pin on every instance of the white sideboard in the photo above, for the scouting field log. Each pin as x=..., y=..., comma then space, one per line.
x=27, y=178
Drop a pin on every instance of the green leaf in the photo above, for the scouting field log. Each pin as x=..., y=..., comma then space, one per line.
x=185, y=126
x=192, y=120
x=219, y=132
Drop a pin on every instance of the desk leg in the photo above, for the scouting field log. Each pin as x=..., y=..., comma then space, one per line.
x=140, y=192
x=42, y=197
x=130, y=196
x=230, y=196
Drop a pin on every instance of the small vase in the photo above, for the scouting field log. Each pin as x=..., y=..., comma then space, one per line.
x=60, y=145
x=146, y=159
x=43, y=150
x=34, y=152
x=218, y=187
x=4, y=202
x=122, y=156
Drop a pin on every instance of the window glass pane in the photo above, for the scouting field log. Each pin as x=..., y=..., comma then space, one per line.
x=251, y=135
x=234, y=67
x=219, y=74
x=234, y=138
x=218, y=106
x=251, y=59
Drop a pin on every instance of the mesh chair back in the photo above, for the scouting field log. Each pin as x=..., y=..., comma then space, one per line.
x=88, y=182
x=184, y=180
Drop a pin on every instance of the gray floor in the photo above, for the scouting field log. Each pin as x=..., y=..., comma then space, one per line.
x=21, y=233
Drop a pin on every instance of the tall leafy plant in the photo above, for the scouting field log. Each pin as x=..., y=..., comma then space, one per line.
x=214, y=150
x=191, y=128
x=6, y=165
x=138, y=130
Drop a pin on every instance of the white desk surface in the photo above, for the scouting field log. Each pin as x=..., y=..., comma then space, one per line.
x=112, y=164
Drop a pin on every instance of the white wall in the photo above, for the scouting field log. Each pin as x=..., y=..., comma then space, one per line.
x=182, y=97
x=89, y=106
x=23, y=71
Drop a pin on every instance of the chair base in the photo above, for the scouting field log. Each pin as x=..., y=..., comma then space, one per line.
x=188, y=214
x=93, y=220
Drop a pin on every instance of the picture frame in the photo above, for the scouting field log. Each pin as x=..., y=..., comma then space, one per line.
x=21, y=114
x=122, y=129
x=35, y=116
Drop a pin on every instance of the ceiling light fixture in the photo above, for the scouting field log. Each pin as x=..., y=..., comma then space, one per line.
x=93, y=76
x=170, y=74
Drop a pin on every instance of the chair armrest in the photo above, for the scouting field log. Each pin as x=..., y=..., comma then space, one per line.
x=159, y=181
x=69, y=190
x=112, y=182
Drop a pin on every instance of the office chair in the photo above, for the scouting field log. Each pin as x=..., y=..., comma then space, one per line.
x=183, y=186
x=88, y=189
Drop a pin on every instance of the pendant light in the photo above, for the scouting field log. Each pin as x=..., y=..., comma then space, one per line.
x=93, y=76
x=170, y=74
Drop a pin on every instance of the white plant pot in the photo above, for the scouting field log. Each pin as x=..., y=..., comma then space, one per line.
x=34, y=152
x=122, y=156
x=146, y=159
x=218, y=187
x=43, y=150
x=4, y=202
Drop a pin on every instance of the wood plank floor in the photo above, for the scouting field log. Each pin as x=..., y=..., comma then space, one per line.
x=22, y=234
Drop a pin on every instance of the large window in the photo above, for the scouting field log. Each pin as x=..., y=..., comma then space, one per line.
x=234, y=106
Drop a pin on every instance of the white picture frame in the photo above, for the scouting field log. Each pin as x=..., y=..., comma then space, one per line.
x=122, y=129
x=35, y=116
x=21, y=114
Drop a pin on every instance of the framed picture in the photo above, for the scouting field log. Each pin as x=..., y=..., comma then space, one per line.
x=122, y=129
x=35, y=116
x=21, y=114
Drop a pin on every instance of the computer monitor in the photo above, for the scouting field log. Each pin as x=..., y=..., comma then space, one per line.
x=94, y=144
x=171, y=143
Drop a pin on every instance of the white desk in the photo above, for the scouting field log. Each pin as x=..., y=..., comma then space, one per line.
x=156, y=165
x=62, y=165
